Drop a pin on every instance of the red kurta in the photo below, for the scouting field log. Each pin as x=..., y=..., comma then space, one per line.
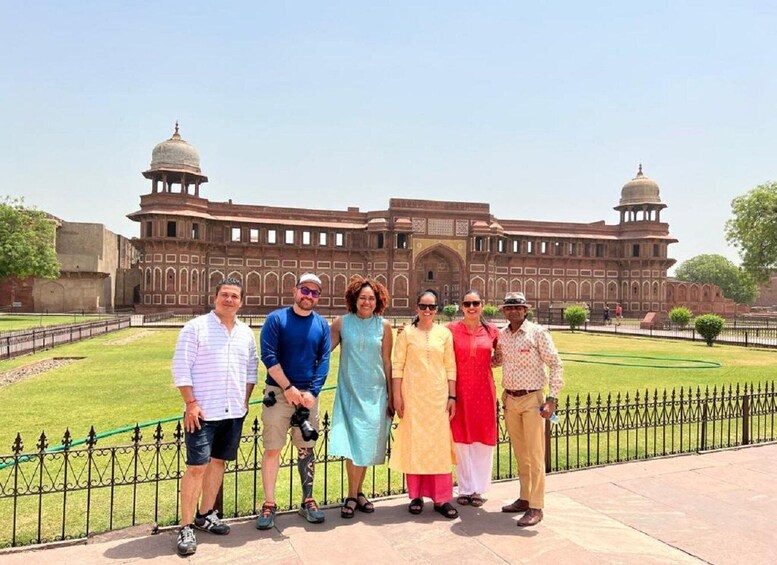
x=475, y=419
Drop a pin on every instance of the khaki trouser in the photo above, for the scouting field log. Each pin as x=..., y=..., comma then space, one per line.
x=527, y=433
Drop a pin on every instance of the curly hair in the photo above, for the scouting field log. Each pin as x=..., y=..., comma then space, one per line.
x=355, y=287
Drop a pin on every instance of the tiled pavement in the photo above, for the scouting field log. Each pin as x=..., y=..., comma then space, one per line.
x=717, y=507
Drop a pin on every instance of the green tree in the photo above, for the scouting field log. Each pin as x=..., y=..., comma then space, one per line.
x=735, y=283
x=449, y=311
x=753, y=230
x=709, y=327
x=26, y=242
x=575, y=316
x=680, y=316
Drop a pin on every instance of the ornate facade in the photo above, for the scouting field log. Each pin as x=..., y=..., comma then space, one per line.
x=188, y=243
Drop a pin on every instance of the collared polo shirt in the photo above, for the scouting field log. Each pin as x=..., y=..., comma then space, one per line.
x=217, y=364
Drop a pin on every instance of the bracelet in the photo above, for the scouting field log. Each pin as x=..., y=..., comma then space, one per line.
x=288, y=387
x=451, y=398
x=192, y=401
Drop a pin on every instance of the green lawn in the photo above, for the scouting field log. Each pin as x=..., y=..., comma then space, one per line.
x=10, y=323
x=116, y=385
x=120, y=382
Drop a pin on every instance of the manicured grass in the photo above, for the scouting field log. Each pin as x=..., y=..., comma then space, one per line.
x=121, y=382
x=118, y=385
x=9, y=323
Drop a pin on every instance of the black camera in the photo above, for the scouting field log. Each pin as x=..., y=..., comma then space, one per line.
x=300, y=420
x=269, y=399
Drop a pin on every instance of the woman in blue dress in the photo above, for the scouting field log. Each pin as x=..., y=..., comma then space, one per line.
x=362, y=411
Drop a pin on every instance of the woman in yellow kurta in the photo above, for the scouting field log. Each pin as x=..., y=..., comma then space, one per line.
x=424, y=390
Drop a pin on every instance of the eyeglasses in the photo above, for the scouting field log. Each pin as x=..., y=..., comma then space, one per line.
x=431, y=307
x=309, y=292
x=470, y=303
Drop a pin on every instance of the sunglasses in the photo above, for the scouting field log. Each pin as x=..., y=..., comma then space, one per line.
x=470, y=303
x=512, y=307
x=431, y=307
x=309, y=292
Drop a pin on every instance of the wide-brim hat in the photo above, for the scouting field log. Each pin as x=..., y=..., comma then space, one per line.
x=309, y=278
x=515, y=299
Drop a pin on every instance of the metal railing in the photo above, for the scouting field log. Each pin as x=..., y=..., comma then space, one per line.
x=48, y=495
x=13, y=344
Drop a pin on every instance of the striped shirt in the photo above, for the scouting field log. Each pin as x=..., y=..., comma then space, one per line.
x=217, y=364
x=524, y=354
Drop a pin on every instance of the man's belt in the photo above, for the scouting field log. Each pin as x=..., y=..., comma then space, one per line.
x=519, y=393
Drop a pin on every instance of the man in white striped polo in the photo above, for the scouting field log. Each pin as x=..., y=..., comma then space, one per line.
x=215, y=368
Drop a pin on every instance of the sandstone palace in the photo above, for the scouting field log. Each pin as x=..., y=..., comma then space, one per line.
x=188, y=243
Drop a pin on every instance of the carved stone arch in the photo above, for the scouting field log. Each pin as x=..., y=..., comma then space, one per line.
x=530, y=290
x=157, y=279
x=598, y=290
x=635, y=295
x=288, y=283
x=571, y=291
x=491, y=289
x=170, y=279
x=479, y=284
x=382, y=280
x=195, y=287
x=706, y=293
x=271, y=284
x=253, y=285
x=694, y=293
x=656, y=291
x=326, y=284
x=215, y=278
x=148, y=283
x=339, y=284
x=585, y=291
x=625, y=295
x=612, y=291
x=682, y=293
x=501, y=289
x=557, y=291
x=544, y=287
x=515, y=285
x=645, y=290
x=399, y=286
x=183, y=280
x=236, y=275
x=447, y=270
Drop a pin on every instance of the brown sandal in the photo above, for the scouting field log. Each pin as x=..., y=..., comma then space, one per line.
x=476, y=500
x=464, y=500
x=347, y=511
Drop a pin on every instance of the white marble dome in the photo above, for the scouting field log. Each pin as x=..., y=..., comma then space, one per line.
x=175, y=155
x=640, y=190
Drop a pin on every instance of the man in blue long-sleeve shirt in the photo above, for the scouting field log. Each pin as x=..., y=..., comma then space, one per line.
x=295, y=350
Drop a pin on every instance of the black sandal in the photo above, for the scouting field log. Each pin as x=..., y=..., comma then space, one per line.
x=416, y=506
x=348, y=511
x=447, y=510
x=367, y=507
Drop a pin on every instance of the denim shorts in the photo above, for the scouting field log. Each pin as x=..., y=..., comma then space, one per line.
x=218, y=439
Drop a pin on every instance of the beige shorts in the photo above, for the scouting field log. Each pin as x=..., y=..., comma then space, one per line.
x=276, y=422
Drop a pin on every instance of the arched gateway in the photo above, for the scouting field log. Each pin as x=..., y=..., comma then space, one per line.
x=440, y=268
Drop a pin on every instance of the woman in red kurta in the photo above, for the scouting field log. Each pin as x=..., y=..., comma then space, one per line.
x=474, y=425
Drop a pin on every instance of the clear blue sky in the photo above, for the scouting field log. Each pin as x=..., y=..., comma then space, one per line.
x=542, y=111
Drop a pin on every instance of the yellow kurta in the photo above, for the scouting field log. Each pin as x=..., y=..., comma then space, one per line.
x=425, y=362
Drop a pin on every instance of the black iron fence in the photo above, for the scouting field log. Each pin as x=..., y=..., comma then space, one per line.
x=74, y=490
x=13, y=344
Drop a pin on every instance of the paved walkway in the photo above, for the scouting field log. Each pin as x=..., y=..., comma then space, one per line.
x=714, y=508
